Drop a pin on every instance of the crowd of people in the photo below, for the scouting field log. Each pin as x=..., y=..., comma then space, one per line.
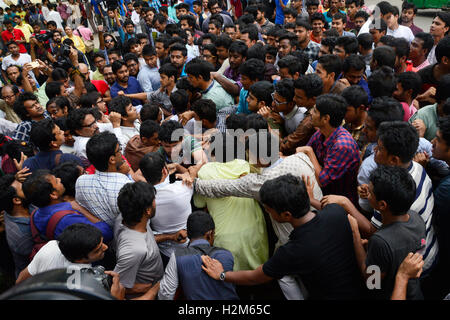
x=213, y=149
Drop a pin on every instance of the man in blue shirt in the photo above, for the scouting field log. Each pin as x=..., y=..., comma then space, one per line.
x=184, y=267
x=124, y=83
x=48, y=137
x=45, y=191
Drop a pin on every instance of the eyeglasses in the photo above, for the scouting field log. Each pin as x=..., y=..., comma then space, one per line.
x=109, y=41
x=274, y=100
x=8, y=97
x=90, y=125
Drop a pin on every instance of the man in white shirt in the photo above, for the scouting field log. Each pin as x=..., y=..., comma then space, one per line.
x=394, y=28
x=15, y=59
x=173, y=203
x=54, y=15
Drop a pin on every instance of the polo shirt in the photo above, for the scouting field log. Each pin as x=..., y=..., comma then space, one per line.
x=17, y=34
x=217, y=93
x=133, y=87
x=46, y=160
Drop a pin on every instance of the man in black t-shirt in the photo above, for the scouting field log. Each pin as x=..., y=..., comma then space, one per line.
x=319, y=250
x=392, y=191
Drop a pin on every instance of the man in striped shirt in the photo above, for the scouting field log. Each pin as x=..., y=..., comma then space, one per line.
x=397, y=144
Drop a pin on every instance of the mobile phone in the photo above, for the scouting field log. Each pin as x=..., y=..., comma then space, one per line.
x=34, y=64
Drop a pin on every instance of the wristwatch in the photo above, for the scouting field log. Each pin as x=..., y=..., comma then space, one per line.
x=222, y=276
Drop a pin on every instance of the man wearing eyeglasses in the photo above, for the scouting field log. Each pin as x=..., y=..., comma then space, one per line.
x=214, y=8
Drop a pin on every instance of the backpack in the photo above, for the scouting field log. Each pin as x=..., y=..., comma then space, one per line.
x=41, y=240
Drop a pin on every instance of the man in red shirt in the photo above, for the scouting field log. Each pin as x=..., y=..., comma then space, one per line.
x=14, y=34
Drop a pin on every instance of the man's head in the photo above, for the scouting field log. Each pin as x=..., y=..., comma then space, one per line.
x=377, y=29
x=441, y=143
x=42, y=188
x=17, y=20
x=168, y=134
x=153, y=167
x=149, y=133
x=149, y=55
x=345, y=46
x=289, y=67
x=353, y=7
x=327, y=46
x=121, y=72
x=382, y=56
x=81, y=122
x=307, y=88
x=249, y=35
x=122, y=105
x=46, y=135
x=13, y=73
x=328, y=69
x=237, y=54
x=215, y=26
x=283, y=96
x=159, y=22
x=339, y=21
x=27, y=107
x=442, y=52
x=329, y=111
x=132, y=62
x=168, y=74
x=440, y=25
x=288, y=43
x=205, y=111
x=109, y=75
x=303, y=30
x=357, y=103
x=353, y=68
x=223, y=43
x=178, y=55
x=136, y=202
x=420, y=47
x=285, y=198
x=200, y=224
x=13, y=48
x=82, y=243
x=182, y=9
x=360, y=18
x=290, y=14
x=409, y=12
x=408, y=87
x=11, y=194
x=9, y=93
x=392, y=189
x=259, y=95
x=251, y=71
x=198, y=72
x=397, y=143
x=103, y=151
x=382, y=82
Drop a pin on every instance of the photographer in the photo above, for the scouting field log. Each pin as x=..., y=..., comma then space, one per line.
x=40, y=43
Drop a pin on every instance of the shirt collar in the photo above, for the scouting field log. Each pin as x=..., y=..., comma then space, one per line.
x=209, y=88
x=199, y=241
x=291, y=114
x=330, y=140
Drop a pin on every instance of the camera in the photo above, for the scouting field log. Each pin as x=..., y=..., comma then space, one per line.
x=63, y=58
x=43, y=37
x=99, y=274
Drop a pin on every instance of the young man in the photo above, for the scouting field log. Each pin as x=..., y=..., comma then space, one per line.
x=146, y=141
x=169, y=75
x=260, y=97
x=15, y=58
x=287, y=43
x=26, y=29
x=132, y=62
x=306, y=89
x=249, y=35
x=329, y=14
x=251, y=71
x=377, y=30
x=290, y=67
x=393, y=28
x=402, y=64
x=178, y=58
x=353, y=71
x=383, y=56
x=261, y=19
x=439, y=29
x=397, y=143
x=408, y=87
x=148, y=76
x=339, y=24
x=409, y=12
x=353, y=6
x=329, y=67
x=305, y=44
x=125, y=83
x=129, y=122
x=360, y=19
x=28, y=108
x=419, y=50
x=355, y=117
x=318, y=22
x=184, y=264
x=48, y=137
x=392, y=192
x=345, y=46
x=45, y=191
x=286, y=200
x=332, y=149
x=172, y=204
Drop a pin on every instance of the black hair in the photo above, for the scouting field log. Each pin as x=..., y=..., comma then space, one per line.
x=270, y=50
x=444, y=16
x=160, y=18
x=285, y=88
x=205, y=109
x=199, y=223
x=355, y=62
x=150, y=111
x=37, y=189
x=292, y=37
x=68, y=172
x=329, y=42
x=7, y=193
x=401, y=47
x=41, y=134
x=318, y=16
x=19, y=105
x=119, y=104
x=148, y=128
x=190, y=20
x=252, y=32
x=179, y=100
x=385, y=109
x=164, y=39
x=198, y=67
x=442, y=92
x=210, y=36
x=169, y=70
x=311, y=84
x=133, y=200
x=410, y=81
x=312, y=3
x=444, y=127
x=148, y=50
x=350, y=44
x=349, y=2
x=385, y=7
x=151, y=166
x=245, y=20
x=443, y=49
x=382, y=82
x=399, y=138
x=253, y=68
x=428, y=41
x=167, y=129
x=292, y=64
x=286, y=193
x=53, y=89
x=365, y=40
x=100, y=148
x=131, y=56
x=331, y=63
x=355, y=96
x=340, y=16
x=236, y=121
x=179, y=47
x=256, y=122
x=384, y=56
x=333, y=105
x=117, y=65
x=395, y=186
x=331, y=33
x=215, y=20
x=290, y=11
x=78, y=240
x=362, y=14
x=223, y=41
x=59, y=74
x=238, y=47
x=256, y=52
x=262, y=90
x=89, y=100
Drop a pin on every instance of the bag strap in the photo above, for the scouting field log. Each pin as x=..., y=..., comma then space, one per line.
x=54, y=220
x=34, y=231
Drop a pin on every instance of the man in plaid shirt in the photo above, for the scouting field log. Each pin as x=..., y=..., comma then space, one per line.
x=332, y=149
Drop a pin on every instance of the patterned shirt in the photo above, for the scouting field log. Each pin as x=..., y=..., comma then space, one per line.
x=155, y=4
x=233, y=75
x=312, y=51
x=98, y=193
x=23, y=130
x=339, y=157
